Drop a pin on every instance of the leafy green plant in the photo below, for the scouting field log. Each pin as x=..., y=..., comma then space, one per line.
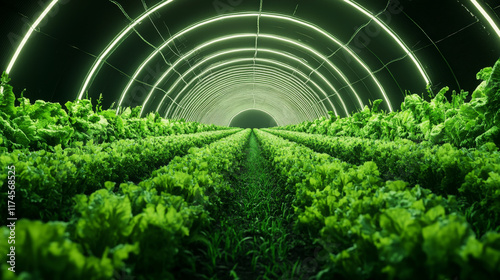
x=383, y=229
x=47, y=181
x=469, y=174
x=443, y=119
x=44, y=125
x=44, y=251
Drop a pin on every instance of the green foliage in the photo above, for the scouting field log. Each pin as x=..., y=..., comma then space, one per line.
x=7, y=98
x=440, y=120
x=104, y=221
x=140, y=229
x=43, y=125
x=44, y=251
x=469, y=174
x=379, y=229
x=47, y=181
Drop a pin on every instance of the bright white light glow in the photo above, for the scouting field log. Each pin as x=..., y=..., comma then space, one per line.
x=303, y=23
x=282, y=82
x=226, y=100
x=181, y=78
x=277, y=63
x=273, y=37
x=277, y=53
x=287, y=90
x=28, y=35
x=199, y=24
x=487, y=17
x=108, y=49
x=231, y=83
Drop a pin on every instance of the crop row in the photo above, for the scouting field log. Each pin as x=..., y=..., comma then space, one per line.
x=440, y=118
x=47, y=181
x=43, y=125
x=473, y=175
x=130, y=229
x=376, y=229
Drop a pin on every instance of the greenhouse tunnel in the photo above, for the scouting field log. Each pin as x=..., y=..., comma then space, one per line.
x=250, y=139
x=208, y=61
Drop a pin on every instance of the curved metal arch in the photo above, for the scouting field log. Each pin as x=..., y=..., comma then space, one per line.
x=273, y=37
x=200, y=63
x=217, y=87
x=394, y=36
x=130, y=27
x=220, y=89
x=192, y=27
x=221, y=111
x=247, y=59
x=214, y=86
x=182, y=78
x=98, y=63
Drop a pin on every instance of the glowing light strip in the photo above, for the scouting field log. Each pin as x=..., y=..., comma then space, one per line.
x=274, y=79
x=308, y=96
x=394, y=36
x=303, y=46
x=224, y=112
x=219, y=110
x=181, y=78
x=487, y=17
x=184, y=58
x=253, y=35
x=240, y=78
x=239, y=75
x=108, y=49
x=249, y=59
x=324, y=59
x=28, y=35
x=287, y=93
x=243, y=15
x=249, y=15
x=222, y=108
x=344, y=47
x=165, y=44
x=219, y=87
x=221, y=113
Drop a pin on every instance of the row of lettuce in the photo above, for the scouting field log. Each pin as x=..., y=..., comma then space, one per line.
x=371, y=228
x=131, y=229
x=47, y=181
x=472, y=175
x=43, y=125
x=438, y=121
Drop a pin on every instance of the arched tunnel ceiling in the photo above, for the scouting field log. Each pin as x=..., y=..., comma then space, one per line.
x=211, y=60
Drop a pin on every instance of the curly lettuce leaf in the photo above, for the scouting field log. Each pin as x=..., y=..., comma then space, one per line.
x=7, y=98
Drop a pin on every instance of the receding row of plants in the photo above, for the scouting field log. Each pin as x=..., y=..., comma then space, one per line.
x=438, y=121
x=252, y=236
x=375, y=229
x=47, y=181
x=473, y=175
x=131, y=229
x=43, y=125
